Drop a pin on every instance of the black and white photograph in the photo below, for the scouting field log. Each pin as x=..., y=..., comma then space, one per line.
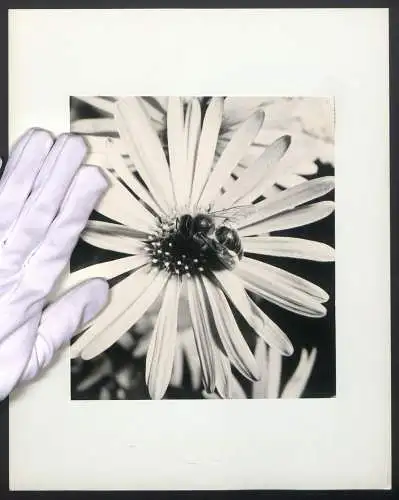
x=240, y=336
x=216, y=236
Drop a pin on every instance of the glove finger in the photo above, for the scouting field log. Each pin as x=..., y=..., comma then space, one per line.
x=16, y=349
x=46, y=264
x=61, y=320
x=26, y=158
x=40, y=274
x=50, y=188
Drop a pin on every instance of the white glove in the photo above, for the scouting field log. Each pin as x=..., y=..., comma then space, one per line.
x=46, y=198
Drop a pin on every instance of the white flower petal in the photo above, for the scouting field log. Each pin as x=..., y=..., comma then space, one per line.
x=93, y=126
x=202, y=332
x=232, y=154
x=297, y=383
x=295, y=248
x=104, y=394
x=176, y=148
x=113, y=241
x=253, y=315
x=290, y=180
x=162, y=102
x=106, y=270
x=127, y=342
x=326, y=152
x=115, y=229
x=286, y=293
x=206, y=147
x=290, y=198
x=312, y=119
x=271, y=362
x=98, y=148
x=118, y=204
x=267, y=191
x=194, y=365
x=145, y=149
x=141, y=347
x=124, y=377
x=238, y=109
x=257, y=177
x=259, y=388
x=221, y=367
x=297, y=160
x=98, y=144
x=267, y=188
x=104, y=105
x=236, y=389
x=156, y=111
x=155, y=108
x=122, y=296
x=274, y=376
x=269, y=331
x=304, y=149
x=116, y=162
x=96, y=159
x=223, y=374
x=176, y=378
x=210, y=395
x=305, y=167
x=230, y=335
x=291, y=218
x=110, y=334
x=192, y=130
x=160, y=354
x=95, y=376
x=275, y=274
x=271, y=191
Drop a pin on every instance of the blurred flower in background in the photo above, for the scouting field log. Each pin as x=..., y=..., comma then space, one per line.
x=269, y=386
x=309, y=121
x=159, y=286
x=107, y=382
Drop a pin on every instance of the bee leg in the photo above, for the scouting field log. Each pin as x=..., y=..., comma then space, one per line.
x=200, y=241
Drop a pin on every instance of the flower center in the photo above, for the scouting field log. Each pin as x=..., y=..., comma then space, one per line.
x=180, y=249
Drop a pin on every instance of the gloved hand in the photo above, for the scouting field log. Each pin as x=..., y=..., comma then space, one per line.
x=46, y=198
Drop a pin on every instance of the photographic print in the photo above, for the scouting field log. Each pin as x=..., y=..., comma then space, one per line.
x=217, y=237
x=290, y=309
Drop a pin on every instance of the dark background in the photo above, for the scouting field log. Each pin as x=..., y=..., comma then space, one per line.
x=394, y=122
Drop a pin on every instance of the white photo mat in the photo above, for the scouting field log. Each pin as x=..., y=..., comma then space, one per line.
x=343, y=442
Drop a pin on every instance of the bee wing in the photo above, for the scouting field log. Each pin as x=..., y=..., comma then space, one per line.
x=220, y=252
x=235, y=214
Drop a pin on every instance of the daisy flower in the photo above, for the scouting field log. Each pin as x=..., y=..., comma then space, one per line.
x=269, y=386
x=308, y=121
x=158, y=216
